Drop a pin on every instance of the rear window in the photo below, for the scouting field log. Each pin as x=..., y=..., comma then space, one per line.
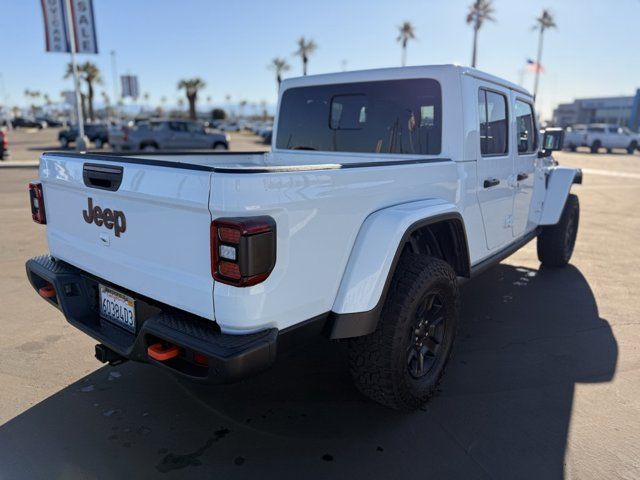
x=393, y=116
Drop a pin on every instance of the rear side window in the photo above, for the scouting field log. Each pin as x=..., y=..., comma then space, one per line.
x=392, y=116
x=492, y=110
x=526, y=134
x=596, y=129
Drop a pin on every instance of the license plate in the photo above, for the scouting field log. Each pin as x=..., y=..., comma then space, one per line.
x=118, y=308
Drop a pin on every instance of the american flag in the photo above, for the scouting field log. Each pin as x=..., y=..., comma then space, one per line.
x=534, y=66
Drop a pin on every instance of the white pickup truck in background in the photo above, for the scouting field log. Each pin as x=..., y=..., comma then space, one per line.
x=383, y=191
x=600, y=135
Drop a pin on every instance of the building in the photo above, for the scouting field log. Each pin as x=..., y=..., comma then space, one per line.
x=623, y=111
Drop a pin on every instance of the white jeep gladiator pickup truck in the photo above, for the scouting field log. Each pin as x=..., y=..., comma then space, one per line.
x=384, y=190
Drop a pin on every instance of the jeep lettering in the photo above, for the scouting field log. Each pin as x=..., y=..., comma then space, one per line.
x=107, y=217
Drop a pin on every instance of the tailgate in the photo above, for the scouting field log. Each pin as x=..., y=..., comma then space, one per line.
x=149, y=234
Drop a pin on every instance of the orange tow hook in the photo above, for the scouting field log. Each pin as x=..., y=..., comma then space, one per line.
x=161, y=353
x=47, y=291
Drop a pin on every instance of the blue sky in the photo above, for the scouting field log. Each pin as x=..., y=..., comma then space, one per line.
x=230, y=43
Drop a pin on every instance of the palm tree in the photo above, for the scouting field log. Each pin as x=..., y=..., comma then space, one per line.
x=33, y=94
x=279, y=65
x=243, y=103
x=90, y=73
x=406, y=33
x=543, y=22
x=191, y=88
x=305, y=48
x=479, y=11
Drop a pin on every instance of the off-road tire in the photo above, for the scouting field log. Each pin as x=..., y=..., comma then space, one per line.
x=379, y=361
x=556, y=242
x=595, y=146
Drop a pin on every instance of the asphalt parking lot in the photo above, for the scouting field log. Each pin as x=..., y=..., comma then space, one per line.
x=545, y=382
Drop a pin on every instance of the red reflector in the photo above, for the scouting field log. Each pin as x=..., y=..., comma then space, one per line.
x=230, y=270
x=159, y=352
x=200, y=359
x=47, y=291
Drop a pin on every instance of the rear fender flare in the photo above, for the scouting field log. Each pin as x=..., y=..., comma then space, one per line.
x=373, y=259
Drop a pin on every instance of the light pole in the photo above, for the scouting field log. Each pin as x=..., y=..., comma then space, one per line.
x=81, y=140
x=116, y=97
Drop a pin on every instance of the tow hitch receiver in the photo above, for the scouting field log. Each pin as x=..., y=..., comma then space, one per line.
x=162, y=353
x=105, y=355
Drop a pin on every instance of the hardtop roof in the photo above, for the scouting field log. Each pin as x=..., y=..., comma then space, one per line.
x=398, y=73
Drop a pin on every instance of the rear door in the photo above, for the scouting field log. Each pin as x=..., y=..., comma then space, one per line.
x=198, y=136
x=148, y=234
x=525, y=134
x=495, y=165
x=178, y=136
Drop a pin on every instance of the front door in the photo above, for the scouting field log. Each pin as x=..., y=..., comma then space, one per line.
x=526, y=155
x=495, y=166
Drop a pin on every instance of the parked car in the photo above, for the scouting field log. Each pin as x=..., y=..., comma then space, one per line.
x=24, y=122
x=170, y=135
x=230, y=127
x=384, y=190
x=575, y=136
x=97, y=133
x=601, y=135
x=50, y=121
x=4, y=145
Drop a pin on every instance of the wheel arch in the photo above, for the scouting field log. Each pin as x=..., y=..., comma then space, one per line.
x=430, y=227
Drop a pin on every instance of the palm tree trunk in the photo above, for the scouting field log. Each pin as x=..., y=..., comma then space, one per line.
x=304, y=65
x=90, y=99
x=475, y=47
x=404, y=54
x=192, y=106
x=539, y=59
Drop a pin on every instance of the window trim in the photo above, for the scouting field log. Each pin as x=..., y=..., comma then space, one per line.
x=506, y=104
x=536, y=146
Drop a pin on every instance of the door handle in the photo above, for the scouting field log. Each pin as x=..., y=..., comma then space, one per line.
x=491, y=182
x=522, y=176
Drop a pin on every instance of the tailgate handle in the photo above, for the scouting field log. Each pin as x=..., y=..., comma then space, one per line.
x=102, y=176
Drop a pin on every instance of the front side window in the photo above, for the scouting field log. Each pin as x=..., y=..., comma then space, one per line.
x=391, y=116
x=492, y=111
x=526, y=134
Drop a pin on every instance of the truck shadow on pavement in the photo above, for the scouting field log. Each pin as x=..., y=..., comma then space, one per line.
x=503, y=410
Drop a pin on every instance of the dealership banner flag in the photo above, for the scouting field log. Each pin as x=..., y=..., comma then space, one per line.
x=82, y=21
x=129, y=86
x=84, y=26
x=55, y=26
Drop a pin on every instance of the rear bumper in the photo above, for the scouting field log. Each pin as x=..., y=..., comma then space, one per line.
x=229, y=357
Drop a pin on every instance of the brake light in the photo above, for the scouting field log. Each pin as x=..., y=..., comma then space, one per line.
x=243, y=250
x=36, y=198
x=3, y=136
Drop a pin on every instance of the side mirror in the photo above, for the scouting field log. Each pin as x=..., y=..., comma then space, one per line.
x=552, y=140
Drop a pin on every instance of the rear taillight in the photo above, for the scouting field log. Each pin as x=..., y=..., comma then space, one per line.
x=3, y=139
x=243, y=250
x=125, y=135
x=37, y=203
